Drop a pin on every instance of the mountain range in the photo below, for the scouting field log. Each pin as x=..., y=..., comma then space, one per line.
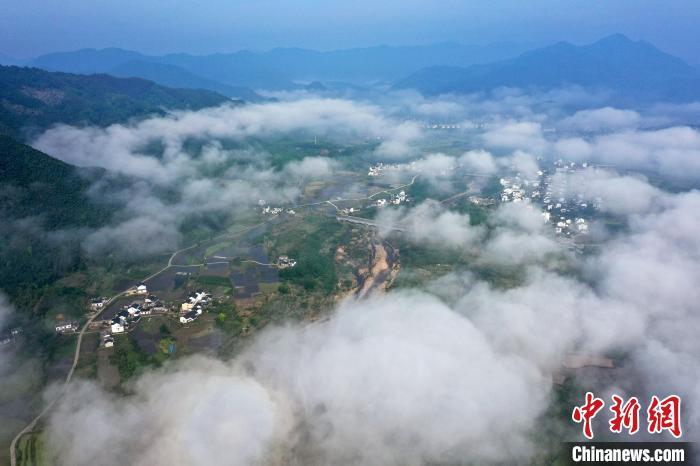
x=234, y=74
x=633, y=71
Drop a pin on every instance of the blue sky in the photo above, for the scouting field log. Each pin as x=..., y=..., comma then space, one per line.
x=31, y=27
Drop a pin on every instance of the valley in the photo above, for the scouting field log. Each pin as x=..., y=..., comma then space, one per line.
x=387, y=255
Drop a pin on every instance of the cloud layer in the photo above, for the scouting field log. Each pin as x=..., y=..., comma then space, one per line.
x=458, y=371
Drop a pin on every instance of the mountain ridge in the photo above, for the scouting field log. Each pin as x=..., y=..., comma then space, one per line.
x=283, y=67
x=633, y=69
x=32, y=99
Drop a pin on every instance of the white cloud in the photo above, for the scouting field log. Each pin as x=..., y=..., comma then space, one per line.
x=198, y=413
x=621, y=195
x=121, y=148
x=524, y=135
x=479, y=161
x=431, y=224
x=385, y=381
x=671, y=151
x=392, y=379
x=606, y=119
x=311, y=167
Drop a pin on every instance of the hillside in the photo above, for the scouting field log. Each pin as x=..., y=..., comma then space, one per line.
x=32, y=99
x=35, y=184
x=40, y=196
x=629, y=69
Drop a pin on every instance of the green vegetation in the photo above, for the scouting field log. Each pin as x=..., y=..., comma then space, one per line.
x=213, y=281
x=283, y=288
x=422, y=263
x=39, y=193
x=30, y=450
x=166, y=345
x=421, y=190
x=492, y=188
x=478, y=214
x=285, y=149
x=37, y=184
x=313, y=247
x=58, y=299
x=35, y=99
x=128, y=357
x=87, y=364
x=227, y=319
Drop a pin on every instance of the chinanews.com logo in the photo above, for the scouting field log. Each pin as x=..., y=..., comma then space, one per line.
x=658, y=416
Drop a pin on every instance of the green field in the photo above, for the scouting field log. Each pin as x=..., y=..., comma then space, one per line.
x=209, y=281
x=30, y=450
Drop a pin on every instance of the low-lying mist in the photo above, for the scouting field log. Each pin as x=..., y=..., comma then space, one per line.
x=454, y=372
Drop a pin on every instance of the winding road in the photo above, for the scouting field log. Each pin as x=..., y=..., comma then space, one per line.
x=76, y=357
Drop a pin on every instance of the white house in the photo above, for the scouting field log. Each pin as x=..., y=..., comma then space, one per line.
x=193, y=299
x=134, y=309
x=117, y=327
x=97, y=303
x=283, y=262
x=141, y=289
x=191, y=316
x=63, y=327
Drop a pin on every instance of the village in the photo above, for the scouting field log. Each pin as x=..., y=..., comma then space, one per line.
x=564, y=207
x=141, y=304
x=569, y=214
x=567, y=211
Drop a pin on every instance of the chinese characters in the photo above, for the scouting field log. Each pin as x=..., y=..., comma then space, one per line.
x=662, y=415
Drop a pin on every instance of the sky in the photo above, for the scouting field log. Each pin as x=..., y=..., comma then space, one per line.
x=31, y=27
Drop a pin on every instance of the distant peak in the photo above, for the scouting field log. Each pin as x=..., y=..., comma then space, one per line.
x=615, y=39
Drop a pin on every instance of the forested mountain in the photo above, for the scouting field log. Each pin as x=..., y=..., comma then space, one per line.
x=44, y=205
x=32, y=99
x=35, y=184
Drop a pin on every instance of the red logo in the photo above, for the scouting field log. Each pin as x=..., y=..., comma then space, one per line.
x=665, y=415
x=625, y=415
x=587, y=412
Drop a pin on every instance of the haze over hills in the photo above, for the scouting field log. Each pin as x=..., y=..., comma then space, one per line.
x=179, y=78
x=283, y=68
x=631, y=69
x=10, y=61
x=33, y=99
x=40, y=193
x=492, y=237
x=45, y=186
x=246, y=233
